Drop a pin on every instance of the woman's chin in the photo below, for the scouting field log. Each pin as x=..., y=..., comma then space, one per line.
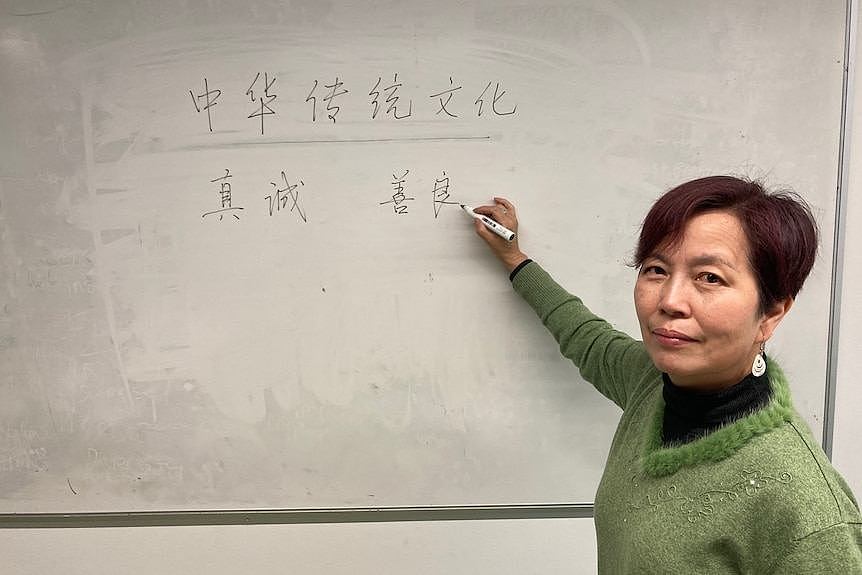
x=670, y=363
x=679, y=373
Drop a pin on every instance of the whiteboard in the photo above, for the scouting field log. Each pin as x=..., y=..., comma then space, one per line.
x=234, y=273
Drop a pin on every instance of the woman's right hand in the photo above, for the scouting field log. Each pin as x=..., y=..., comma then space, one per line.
x=503, y=212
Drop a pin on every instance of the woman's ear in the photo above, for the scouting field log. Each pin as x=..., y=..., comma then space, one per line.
x=773, y=316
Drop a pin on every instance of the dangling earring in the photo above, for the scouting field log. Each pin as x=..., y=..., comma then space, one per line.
x=759, y=366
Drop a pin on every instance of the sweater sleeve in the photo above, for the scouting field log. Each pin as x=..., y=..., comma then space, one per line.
x=836, y=550
x=610, y=360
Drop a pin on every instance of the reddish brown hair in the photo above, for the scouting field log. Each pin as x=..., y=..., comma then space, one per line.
x=780, y=228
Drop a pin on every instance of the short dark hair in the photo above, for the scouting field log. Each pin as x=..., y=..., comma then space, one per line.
x=780, y=229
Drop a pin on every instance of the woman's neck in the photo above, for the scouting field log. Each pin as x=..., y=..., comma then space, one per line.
x=692, y=413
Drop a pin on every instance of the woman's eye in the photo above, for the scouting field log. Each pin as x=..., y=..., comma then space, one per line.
x=653, y=270
x=710, y=278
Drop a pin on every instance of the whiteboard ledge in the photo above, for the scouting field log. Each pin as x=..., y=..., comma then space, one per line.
x=293, y=516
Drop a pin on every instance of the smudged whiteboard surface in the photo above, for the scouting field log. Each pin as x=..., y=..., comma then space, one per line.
x=234, y=274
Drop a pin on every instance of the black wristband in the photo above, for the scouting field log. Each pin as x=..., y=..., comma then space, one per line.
x=518, y=268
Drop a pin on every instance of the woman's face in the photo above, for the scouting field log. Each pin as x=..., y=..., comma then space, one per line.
x=698, y=307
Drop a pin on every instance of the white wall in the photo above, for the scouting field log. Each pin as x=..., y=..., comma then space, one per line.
x=520, y=547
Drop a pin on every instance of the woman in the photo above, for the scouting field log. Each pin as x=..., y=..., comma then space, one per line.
x=711, y=469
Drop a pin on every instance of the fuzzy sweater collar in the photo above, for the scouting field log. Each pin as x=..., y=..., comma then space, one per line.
x=660, y=460
x=690, y=413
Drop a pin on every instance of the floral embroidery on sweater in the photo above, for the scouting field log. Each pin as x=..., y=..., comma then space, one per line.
x=706, y=503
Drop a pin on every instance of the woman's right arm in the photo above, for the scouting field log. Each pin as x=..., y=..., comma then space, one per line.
x=609, y=359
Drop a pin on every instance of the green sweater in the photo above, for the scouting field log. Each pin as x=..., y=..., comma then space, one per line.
x=756, y=496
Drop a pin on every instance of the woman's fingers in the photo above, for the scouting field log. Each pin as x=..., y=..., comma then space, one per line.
x=503, y=211
x=506, y=204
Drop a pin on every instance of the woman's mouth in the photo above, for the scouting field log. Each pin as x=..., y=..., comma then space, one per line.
x=671, y=337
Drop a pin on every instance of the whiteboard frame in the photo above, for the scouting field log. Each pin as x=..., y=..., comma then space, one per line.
x=840, y=223
x=502, y=511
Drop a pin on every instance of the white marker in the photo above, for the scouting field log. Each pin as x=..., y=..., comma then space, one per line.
x=498, y=229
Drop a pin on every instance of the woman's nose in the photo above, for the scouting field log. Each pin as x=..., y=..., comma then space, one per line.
x=674, y=298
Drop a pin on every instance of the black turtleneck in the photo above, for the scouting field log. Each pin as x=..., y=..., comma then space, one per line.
x=690, y=414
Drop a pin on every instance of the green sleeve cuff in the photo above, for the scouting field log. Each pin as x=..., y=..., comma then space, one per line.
x=518, y=268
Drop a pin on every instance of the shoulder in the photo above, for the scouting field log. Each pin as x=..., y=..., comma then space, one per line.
x=815, y=488
x=804, y=506
x=801, y=493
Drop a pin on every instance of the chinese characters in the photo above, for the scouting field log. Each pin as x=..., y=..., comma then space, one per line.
x=225, y=195
x=209, y=98
x=399, y=198
x=390, y=100
x=288, y=194
x=264, y=99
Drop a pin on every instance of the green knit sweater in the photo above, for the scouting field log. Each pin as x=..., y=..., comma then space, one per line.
x=756, y=496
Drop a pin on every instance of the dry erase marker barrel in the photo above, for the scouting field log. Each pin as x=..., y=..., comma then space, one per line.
x=498, y=229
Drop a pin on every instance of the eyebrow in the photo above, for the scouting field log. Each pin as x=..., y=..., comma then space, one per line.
x=702, y=260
